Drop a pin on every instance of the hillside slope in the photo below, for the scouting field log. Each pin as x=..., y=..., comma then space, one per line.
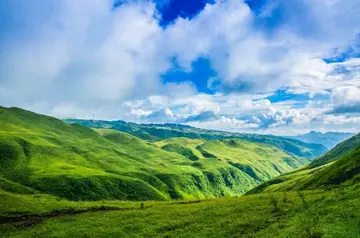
x=337, y=152
x=260, y=161
x=44, y=154
x=328, y=139
x=156, y=132
x=340, y=166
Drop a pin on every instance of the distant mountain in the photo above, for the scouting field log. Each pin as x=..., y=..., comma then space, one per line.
x=328, y=139
x=156, y=132
x=339, y=167
x=39, y=153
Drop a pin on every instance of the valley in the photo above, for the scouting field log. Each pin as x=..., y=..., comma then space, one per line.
x=79, y=163
x=62, y=179
x=180, y=118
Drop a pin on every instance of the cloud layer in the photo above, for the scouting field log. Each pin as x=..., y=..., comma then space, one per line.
x=91, y=59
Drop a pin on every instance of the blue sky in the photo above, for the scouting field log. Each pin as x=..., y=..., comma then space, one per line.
x=260, y=66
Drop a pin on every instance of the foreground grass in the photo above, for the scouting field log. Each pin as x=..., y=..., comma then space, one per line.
x=308, y=214
x=18, y=205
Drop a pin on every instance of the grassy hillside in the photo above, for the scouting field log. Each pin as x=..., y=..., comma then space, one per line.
x=308, y=214
x=338, y=151
x=338, y=167
x=156, y=132
x=44, y=154
x=259, y=161
x=46, y=164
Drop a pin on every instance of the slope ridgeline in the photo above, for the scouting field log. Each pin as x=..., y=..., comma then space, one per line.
x=156, y=132
x=43, y=154
x=340, y=167
x=328, y=139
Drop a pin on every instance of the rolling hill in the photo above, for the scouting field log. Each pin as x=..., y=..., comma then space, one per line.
x=339, y=167
x=48, y=166
x=260, y=161
x=328, y=139
x=43, y=154
x=156, y=132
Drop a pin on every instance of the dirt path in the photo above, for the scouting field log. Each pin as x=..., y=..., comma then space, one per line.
x=26, y=220
x=30, y=220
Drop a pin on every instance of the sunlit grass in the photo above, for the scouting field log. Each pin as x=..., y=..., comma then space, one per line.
x=78, y=163
x=328, y=214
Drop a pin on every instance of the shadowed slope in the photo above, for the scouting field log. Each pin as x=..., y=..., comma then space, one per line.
x=68, y=160
x=155, y=132
x=337, y=152
x=340, y=166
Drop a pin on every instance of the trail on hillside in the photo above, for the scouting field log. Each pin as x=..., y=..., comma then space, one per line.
x=27, y=220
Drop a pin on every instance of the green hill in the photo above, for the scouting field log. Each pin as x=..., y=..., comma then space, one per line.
x=44, y=154
x=337, y=152
x=156, y=132
x=259, y=161
x=339, y=167
x=45, y=164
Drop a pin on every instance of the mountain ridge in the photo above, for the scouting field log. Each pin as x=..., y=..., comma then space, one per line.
x=78, y=163
x=156, y=132
x=328, y=139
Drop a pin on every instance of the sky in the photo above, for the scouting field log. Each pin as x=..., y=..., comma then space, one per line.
x=257, y=66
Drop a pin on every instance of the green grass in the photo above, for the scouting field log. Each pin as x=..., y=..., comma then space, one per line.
x=71, y=161
x=15, y=205
x=326, y=214
x=262, y=160
x=65, y=180
x=337, y=152
x=339, y=167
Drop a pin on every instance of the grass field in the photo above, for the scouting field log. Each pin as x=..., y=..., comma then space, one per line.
x=284, y=214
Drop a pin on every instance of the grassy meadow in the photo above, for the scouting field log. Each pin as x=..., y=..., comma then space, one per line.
x=282, y=214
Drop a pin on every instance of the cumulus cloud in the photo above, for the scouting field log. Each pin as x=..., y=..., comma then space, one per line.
x=84, y=51
x=249, y=59
x=346, y=100
x=225, y=123
x=80, y=59
x=164, y=115
x=276, y=118
x=203, y=116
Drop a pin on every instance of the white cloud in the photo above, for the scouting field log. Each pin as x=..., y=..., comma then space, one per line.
x=80, y=58
x=225, y=123
x=339, y=120
x=86, y=50
x=346, y=99
x=346, y=95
